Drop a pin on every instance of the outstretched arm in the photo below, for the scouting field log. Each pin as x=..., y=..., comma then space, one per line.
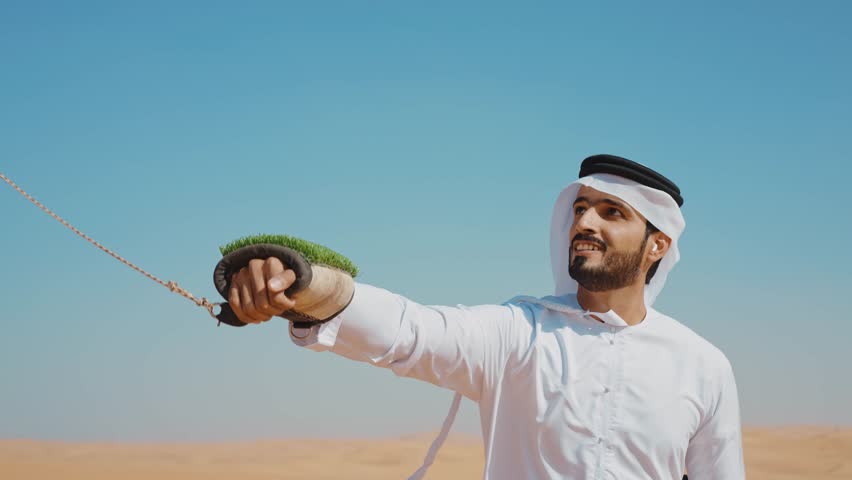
x=460, y=348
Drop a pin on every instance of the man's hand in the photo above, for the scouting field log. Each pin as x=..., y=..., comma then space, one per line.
x=257, y=291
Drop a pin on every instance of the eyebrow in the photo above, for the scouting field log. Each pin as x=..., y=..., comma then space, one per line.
x=604, y=200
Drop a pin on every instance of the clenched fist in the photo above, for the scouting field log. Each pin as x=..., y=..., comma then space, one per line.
x=257, y=291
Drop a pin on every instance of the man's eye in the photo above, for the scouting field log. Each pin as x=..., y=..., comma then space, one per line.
x=614, y=212
x=579, y=210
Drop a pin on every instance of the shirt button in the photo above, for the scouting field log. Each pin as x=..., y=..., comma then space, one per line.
x=611, y=341
x=606, y=389
x=600, y=440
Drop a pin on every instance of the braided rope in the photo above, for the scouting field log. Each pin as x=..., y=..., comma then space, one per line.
x=171, y=285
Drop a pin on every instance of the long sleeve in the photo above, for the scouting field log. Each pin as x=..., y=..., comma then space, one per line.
x=460, y=348
x=716, y=450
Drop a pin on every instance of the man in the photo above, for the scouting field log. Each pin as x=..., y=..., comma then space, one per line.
x=591, y=383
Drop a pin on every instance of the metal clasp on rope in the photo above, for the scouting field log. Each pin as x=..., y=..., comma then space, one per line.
x=174, y=287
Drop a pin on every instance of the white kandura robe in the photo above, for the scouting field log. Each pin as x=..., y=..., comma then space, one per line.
x=561, y=395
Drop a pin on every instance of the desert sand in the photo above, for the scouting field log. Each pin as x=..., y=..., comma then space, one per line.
x=771, y=454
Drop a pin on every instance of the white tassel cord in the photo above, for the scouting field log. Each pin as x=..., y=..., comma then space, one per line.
x=439, y=440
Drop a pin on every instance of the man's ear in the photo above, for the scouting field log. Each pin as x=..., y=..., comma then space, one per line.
x=660, y=243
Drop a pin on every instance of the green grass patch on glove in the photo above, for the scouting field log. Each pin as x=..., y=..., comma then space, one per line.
x=314, y=253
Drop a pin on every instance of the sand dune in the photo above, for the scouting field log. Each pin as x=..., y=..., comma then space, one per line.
x=771, y=454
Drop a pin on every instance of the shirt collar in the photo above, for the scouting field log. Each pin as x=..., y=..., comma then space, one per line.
x=568, y=304
x=610, y=318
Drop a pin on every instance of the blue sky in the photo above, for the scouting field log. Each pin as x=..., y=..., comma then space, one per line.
x=426, y=141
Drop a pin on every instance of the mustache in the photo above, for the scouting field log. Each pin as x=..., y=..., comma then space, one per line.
x=588, y=238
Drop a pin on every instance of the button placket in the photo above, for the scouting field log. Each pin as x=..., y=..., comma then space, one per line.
x=617, y=390
x=605, y=441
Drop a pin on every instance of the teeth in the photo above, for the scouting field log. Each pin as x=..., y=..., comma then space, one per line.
x=581, y=247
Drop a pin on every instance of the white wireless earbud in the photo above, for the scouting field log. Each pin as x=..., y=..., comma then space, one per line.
x=654, y=248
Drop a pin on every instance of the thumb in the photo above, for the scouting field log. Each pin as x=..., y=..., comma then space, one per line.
x=281, y=281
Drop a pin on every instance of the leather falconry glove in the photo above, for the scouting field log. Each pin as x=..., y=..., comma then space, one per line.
x=324, y=284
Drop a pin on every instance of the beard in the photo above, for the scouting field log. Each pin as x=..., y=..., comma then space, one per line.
x=617, y=270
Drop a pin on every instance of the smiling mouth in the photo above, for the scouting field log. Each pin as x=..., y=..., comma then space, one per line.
x=583, y=247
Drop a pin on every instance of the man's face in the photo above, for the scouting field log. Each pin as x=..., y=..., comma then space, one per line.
x=608, y=241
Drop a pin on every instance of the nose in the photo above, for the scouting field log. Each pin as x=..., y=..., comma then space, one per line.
x=587, y=222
